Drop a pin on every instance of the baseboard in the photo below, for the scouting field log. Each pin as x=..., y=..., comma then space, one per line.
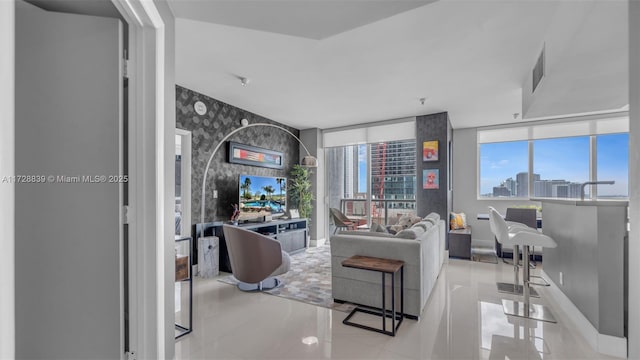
x=317, y=242
x=604, y=344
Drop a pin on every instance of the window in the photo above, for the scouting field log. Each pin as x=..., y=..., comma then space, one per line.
x=391, y=190
x=503, y=169
x=560, y=166
x=561, y=155
x=613, y=164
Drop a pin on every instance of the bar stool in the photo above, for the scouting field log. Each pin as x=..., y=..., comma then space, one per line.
x=521, y=237
x=503, y=287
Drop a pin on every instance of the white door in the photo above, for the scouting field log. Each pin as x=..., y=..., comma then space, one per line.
x=68, y=213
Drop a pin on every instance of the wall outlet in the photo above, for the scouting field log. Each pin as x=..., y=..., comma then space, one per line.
x=561, y=278
x=215, y=194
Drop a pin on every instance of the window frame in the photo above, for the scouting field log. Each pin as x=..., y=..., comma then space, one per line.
x=593, y=170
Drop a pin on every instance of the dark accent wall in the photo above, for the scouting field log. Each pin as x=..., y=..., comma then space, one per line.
x=428, y=128
x=207, y=130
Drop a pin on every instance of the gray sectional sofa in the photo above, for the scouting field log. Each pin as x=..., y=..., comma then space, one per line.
x=421, y=247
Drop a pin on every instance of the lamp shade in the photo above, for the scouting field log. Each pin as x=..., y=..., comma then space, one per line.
x=309, y=161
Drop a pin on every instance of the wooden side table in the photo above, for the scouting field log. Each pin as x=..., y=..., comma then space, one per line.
x=384, y=266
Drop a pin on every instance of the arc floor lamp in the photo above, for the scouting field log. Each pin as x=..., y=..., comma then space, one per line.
x=307, y=161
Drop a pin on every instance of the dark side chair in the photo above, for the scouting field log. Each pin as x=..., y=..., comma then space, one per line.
x=341, y=221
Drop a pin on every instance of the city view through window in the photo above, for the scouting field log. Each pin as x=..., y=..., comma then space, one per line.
x=560, y=167
x=383, y=173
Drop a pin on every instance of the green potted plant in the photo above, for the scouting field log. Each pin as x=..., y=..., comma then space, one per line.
x=300, y=190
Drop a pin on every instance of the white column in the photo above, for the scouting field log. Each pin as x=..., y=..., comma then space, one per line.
x=634, y=180
x=7, y=190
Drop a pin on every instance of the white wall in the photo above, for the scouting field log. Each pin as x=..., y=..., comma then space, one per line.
x=169, y=173
x=465, y=184
x=634, y=179
x=7, y=191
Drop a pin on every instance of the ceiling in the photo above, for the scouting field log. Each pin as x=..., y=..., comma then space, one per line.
x=335, y=63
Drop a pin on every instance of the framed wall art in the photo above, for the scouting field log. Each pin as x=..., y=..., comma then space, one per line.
x=431, y=179
x=430, y=150
x=255, y=156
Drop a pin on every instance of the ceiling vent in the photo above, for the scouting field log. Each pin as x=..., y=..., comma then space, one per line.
x=538, y=70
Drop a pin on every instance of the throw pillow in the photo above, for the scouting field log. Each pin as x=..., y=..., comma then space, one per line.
x=457, y=221
x=375, y=227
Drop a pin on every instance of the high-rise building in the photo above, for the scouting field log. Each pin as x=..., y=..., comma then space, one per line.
x=575, y=190
x=350, y=171
x=511, y=185
x=561, y=190
x=501, y=191
x=522, y=183
x=393, y=170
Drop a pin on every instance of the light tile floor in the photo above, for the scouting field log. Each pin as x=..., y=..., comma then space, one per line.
x=462, y=320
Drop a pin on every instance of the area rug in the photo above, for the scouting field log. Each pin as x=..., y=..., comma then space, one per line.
x=308, y=280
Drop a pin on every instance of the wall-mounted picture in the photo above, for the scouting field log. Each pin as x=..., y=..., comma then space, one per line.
x=255, y=156
x=430, y=150
x=430, y=179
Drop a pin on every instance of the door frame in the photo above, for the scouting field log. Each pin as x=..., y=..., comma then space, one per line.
x=185, y=169
x=149, y=294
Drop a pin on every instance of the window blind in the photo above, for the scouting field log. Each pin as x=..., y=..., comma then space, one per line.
x=398, y=130
x=584, y=126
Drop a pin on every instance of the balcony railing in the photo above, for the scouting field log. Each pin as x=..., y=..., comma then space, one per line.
x=383, y=211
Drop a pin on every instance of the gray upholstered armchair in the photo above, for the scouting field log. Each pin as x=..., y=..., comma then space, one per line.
x=255, y=258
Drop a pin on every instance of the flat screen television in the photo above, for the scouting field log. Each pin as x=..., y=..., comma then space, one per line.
x=262, y=195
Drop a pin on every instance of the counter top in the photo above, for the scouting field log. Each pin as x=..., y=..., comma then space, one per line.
x=583, y=202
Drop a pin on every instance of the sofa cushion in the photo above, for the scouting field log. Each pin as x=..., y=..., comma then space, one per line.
x=405, y=222
x=412, y=233
x=367, y=233
x=426, y=225
x=432, y=218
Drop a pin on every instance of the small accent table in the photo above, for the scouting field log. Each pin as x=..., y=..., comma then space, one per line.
x=384, y=266
x=460, y=243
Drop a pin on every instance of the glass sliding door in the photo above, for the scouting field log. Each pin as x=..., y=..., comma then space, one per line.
x=393, y=180
x=347, y=185
x=372, y=182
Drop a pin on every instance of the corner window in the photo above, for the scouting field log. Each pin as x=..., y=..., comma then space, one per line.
x=613, y=164
x=503, y=169
x=560, y=167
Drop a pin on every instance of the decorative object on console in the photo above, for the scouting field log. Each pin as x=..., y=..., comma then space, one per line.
x=307, y=161
x=235, y=215
x=294, y=214
x=254, y=156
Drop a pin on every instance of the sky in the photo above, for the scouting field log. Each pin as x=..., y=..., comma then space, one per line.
x=362, y=168
x=258, y=182
x=562, y=158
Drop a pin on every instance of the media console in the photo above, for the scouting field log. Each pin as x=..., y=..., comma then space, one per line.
x=291, y=233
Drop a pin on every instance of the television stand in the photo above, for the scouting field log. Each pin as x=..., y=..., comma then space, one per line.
x=290, y=233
